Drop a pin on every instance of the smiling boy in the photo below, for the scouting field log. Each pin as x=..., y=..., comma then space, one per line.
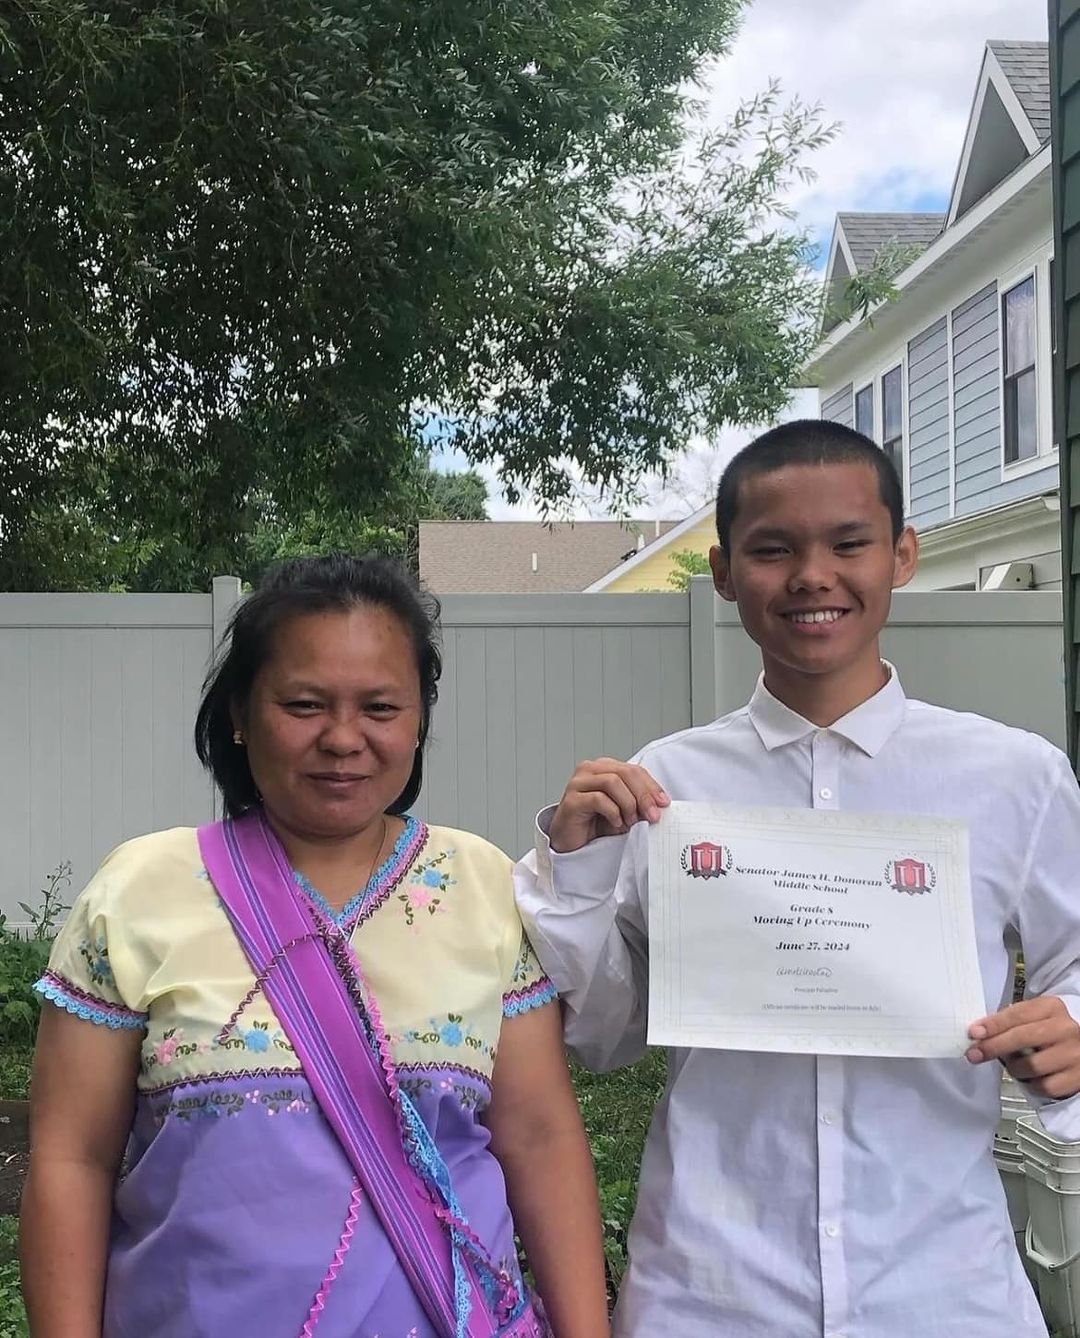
x=794, y=1196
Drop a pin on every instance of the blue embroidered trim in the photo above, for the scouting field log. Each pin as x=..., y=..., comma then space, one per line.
x=386, y=869
x=438, y=1173
x=107, y=1015
x=524, y=1001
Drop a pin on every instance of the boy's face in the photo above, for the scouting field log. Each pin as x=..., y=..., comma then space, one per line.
x=812, y=567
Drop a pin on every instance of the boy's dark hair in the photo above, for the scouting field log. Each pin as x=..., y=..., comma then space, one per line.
x=298, y=586
x=806, y=441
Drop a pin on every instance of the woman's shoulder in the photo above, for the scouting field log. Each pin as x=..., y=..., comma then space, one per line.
x=173, y=846
x=467, y=846
x=150, y=863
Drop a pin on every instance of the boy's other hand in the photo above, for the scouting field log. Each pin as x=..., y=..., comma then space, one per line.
x=604, y=798
x=1038, y=1042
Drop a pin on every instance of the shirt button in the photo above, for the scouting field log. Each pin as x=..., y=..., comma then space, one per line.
x=832, y=1229
x=827, y=1117
x=825, y=792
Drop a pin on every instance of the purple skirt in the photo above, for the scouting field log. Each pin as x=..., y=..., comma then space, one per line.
x=239, y=1208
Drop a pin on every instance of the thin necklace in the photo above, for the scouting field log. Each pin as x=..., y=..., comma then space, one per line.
x=378, y=854
x=370, y=874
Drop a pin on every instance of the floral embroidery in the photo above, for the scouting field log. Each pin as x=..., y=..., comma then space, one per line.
x=171, y=1047
x=216, y=1105
x=525, y=966
x=258, y=1039
x=95, y=953
x=472, y=1089
x=165, y=1050
x=427, y=880
x=382, y=882
x=451, y=1032
x=224, y=1075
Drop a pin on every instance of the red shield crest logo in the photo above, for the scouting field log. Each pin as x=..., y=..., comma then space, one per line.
x=910, y=876
x=707, y=860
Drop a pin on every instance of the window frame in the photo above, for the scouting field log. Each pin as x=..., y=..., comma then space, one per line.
x=869, y=386
x=1011, y=378
x=1036, y=264
x=898, y=367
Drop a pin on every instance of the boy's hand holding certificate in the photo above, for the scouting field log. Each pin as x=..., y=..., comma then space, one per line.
x=811, y=931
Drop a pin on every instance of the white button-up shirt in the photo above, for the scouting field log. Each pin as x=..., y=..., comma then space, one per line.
x=788, y=1196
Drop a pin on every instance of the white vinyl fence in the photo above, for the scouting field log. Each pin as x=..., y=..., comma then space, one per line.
x=98, y=695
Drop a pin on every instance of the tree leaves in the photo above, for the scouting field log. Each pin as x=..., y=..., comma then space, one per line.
x=243, y=241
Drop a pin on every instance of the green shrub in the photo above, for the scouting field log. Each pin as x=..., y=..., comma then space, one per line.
x=23, y=957
x=12, y=1314
x=15, y=1062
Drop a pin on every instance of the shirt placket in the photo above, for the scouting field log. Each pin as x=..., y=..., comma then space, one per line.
x=825, y=779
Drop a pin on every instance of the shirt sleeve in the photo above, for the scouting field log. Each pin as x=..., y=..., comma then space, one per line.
x=1049, y=922
x=530, y=986
x=80, y=977
x=585, y=914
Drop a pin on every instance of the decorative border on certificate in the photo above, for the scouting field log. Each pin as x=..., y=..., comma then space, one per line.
x=811, y=931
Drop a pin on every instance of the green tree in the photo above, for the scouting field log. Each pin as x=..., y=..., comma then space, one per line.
x=860, y=294
x=687, y=563
x=72, y=547
x=247, y=246
x=454, y=496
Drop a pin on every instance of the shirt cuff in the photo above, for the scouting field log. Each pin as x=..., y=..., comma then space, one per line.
x=587, y=874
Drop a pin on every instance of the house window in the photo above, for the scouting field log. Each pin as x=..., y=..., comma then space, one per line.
x=1018, y=338
x=864, y=411
x=892, y=418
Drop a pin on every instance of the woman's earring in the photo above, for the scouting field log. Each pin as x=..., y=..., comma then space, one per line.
x=238, y=738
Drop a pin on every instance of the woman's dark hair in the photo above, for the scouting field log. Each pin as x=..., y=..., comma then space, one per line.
x=298, y=586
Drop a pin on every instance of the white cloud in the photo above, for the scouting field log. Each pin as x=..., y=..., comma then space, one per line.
x=899, y=78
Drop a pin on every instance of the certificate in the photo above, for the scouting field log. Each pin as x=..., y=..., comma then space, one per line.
x=811, y=932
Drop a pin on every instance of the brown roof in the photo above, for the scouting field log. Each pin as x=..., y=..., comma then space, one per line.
x=520, y=556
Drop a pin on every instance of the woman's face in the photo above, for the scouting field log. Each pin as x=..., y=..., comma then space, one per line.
x=332, y=724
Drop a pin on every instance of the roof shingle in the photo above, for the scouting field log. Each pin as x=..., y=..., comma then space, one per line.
x=866, y=234
x=496, y=556
x=1026, y=65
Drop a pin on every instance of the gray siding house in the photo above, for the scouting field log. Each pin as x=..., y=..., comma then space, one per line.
x=953, y=377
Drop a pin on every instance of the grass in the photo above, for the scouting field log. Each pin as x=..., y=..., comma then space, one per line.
x=617, y=1108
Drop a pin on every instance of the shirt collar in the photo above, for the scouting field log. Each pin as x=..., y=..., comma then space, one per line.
x=869, y=726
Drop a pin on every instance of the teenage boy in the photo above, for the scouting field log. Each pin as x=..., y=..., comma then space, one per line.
x=794, y=1196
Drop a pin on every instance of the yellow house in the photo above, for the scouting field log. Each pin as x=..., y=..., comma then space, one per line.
x=652, y=567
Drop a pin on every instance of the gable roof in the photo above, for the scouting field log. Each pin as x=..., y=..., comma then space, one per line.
x=1009, y=120
x=1026, y=65
x=857, y=241
x=1006, y=152
x=866, y=234
x=520, y=557
x=674, y=532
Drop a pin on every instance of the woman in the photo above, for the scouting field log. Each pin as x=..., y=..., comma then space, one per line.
x=338, y=1060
